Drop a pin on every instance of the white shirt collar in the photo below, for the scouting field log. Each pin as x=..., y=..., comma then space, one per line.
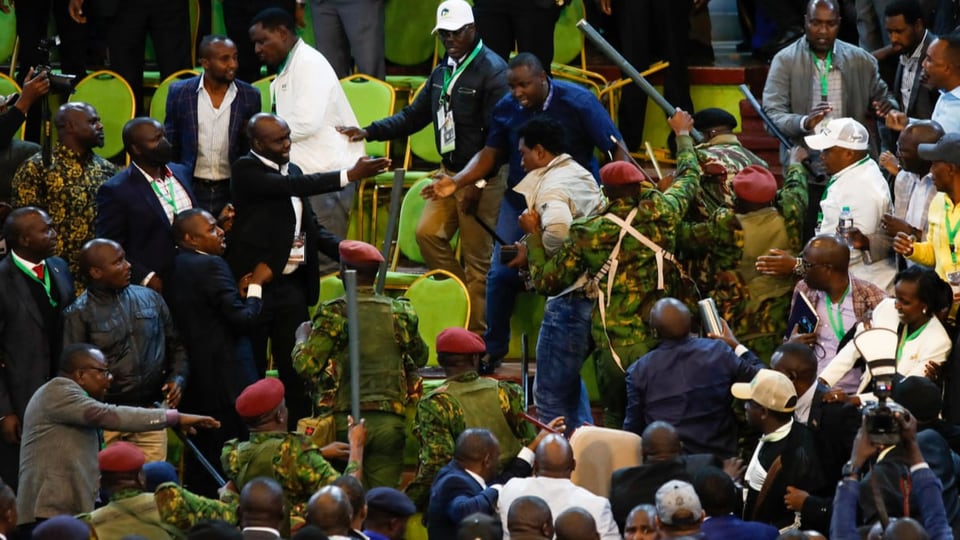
x=282, y=169
x=263, y=529
x=26, y=264
x=478, y=478
x=203, y=77
x=167, y=173
x=804, y=404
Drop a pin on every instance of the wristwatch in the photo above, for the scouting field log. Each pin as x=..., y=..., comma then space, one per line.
x=849, y=470
x=482, y=183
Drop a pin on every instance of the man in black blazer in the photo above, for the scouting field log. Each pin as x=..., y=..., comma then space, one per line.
x=213, y=320
x=31, y=326
x=909, y=37
x=136, y=207
x=275, y=225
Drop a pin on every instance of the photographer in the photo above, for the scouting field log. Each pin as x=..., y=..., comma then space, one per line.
x=924, y=486
x=13, y=112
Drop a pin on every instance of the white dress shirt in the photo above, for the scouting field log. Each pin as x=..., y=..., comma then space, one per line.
x=560, y=494
x=166, y=184
x=213, y=134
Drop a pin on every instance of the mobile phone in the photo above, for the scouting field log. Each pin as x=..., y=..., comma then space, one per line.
x=805, y=326
x=710, y=318
x=507, y=254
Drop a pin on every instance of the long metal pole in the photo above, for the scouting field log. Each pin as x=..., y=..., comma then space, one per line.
x=396, y=191
x=353, y=329
x=591, y=33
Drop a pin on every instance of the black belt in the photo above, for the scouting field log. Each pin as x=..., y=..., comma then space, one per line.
x=211, y=183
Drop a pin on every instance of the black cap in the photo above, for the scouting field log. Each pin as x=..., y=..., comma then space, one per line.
x=714, y=117
x=947, y=149
x=390, y=501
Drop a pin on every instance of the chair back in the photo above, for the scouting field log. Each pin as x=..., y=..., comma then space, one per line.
x=371, y=99
x=410, y=210
x=263, y=85
x=407, y=37
x=599, y=451
x=567, y=38
x=9, y=86
x=8, y=36
x=440, y=304
x=113, y=99
x=422, y=144
x=158, y=103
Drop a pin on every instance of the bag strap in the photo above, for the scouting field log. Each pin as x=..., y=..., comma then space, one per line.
x=772, y=474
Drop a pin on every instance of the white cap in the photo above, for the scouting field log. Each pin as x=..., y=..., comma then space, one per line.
x=843, y=132
x=453, y=15
x=771, y=389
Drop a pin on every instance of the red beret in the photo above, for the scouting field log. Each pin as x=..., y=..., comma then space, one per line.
x=755, y=184
x=356, y=253
x=121, y=456
x=620, y=173
x=458, y=340
x=260, y=398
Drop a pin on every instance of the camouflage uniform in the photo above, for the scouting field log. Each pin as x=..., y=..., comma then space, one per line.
x=634, y=292
x=323, y=360
x=713, y=252
x=721, y=158
x=440, y=420
x=129, y=512
x=296, y=463
x=183, y=509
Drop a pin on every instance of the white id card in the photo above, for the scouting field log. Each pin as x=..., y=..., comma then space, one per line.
x=298, y=251
x=448, y=135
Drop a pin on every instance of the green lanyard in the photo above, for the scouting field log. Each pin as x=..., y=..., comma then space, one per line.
x=951, y=230
x=45, y=282
x=833, y=180
x=827, y=64
x=904, y=338
x=448, y=77
x=837, y=323
x=171, y=199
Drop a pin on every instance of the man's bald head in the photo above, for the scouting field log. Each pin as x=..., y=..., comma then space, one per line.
x=798, y=362
x=554, y=457
x=916, y=133
x=831, y=250
x=137, y=130
x=660, y=442
x=329, y=510
x=95, y=253
x=269, y=137
x=905, y=529
x=261, y=504
x=529, y=515
x=70, y=111
x=79, y=127
x=671, y=318
x=575, y=524
x=812, y=5
x=262, y=123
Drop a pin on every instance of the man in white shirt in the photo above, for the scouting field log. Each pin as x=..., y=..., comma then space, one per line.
x=551, y=481
x=308, y=95
x=855, y=183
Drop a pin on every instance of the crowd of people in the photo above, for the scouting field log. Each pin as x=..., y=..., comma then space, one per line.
x=780, y=351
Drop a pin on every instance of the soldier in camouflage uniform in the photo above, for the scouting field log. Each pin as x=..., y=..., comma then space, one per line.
x=389, y=375
x=291, y=459
x=756, y=306
x=183, y=509
x=466, y=400
x=620, y=330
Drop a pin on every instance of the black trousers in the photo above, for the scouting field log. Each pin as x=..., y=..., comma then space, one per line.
x=653, y=30
x=167, y=22
x=236, y=17
x=502, y=24
x=284, y=309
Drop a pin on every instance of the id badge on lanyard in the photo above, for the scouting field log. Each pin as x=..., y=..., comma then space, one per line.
x=448, y=133
x=298, y=250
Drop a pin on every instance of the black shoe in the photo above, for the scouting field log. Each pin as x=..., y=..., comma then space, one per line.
x=489, y=365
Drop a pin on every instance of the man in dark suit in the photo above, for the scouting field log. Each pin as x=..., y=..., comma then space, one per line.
x=662, y=450
x=910, y=39
x=462, y=487
x=213, y=320
x=719, y=497
x=34, y=288
x=274, y=225
x=206, y=118
x=136, y=207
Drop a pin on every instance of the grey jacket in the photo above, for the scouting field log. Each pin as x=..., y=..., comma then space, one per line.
x=134, y=330
x=787, y=98
x=58, y=450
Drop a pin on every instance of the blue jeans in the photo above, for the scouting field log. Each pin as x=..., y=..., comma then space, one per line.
x=562, y=347
x=503, y=284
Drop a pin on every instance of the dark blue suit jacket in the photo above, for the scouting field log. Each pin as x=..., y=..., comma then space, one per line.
x=212, y=320
x=129, y=213
x=181, y=121
x=454, y=496
x=733, y=528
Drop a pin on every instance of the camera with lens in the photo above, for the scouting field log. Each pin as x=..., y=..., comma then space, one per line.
x=878, y=347
x=60, y=83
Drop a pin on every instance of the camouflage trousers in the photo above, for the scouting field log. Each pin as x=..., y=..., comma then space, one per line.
x=762, y=331
x=383, y=453
x=611, y=381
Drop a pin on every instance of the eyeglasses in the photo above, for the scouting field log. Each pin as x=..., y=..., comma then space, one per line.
x=453, y=33
x=102, y=370
x=807, y=265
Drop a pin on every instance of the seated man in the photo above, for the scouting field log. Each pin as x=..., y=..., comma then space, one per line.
x=679, y=513
x=528, y=518
x=721, y=506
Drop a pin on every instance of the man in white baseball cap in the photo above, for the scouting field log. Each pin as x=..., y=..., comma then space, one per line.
x=856, y=184
x=453, y=15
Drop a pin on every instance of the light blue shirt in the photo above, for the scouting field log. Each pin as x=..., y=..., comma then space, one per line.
x=947, y=111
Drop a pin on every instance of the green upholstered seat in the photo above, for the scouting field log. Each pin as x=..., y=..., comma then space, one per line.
x=113, y=99
x=440, y=303
x=158, y=103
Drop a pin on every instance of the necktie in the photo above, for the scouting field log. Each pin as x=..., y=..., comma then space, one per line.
x=38, y=270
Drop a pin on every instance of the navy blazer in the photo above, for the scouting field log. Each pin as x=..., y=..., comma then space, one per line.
x=454, y=496
x=181, y=121
x=212, y=320
x=28, y=361
x=922, y=98
x=129, y=213
x=733, y=528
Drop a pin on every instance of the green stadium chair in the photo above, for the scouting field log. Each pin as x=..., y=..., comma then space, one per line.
x=114, y=101
x=440, y=304
x=407, y=25
x=422, y=144
x=567, y=39
x=263, y=85
x=9, y=86
x=8, y=36
x=158, y=103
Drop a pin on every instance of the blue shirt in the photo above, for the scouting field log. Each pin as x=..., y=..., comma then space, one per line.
x=586, y=124
x=375, y=535
x=947, y=111
x=687, y=384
